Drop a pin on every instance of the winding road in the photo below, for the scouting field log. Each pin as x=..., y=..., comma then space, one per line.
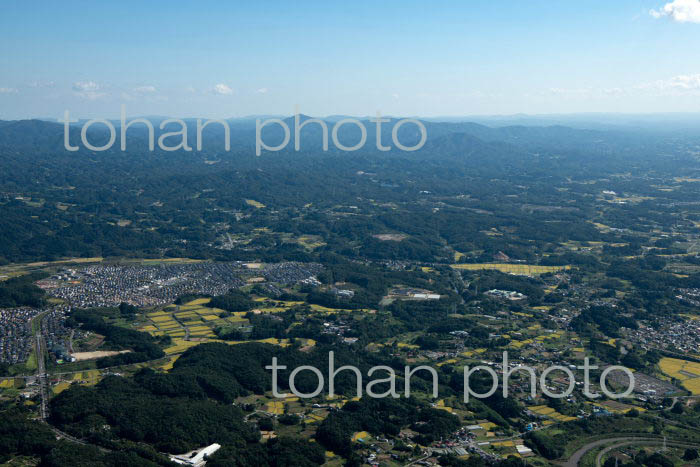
x=618, y=442
x=599, y=457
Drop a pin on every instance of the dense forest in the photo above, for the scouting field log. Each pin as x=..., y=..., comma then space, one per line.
x=21, y=291
x=467, y=181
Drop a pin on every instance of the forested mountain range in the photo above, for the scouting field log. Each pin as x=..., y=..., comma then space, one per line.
x=136, y=202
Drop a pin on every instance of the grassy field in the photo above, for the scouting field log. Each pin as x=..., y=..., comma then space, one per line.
x=31, y=364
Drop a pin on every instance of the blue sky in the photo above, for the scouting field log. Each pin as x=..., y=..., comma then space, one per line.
x=436, y=58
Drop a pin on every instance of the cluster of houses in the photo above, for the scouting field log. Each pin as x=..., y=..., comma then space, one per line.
x=505, y=294
x=16, y=334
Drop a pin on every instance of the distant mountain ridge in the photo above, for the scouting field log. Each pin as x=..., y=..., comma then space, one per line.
x=40, y=135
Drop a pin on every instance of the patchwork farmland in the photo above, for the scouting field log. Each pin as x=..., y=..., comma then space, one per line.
x=194, y=323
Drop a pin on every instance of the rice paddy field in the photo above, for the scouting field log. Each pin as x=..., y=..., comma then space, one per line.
x=542, y=338
x=275, y=407
x=193, y=323
x=617, y=407
x=168, y=365
x=255, y=204
x=519, y=269
x=60, y=387
x=192, y=319
x=550, y=413
x=11, y=383
x=687, y=372
x=472, y=353
x=442, y=406
x=84, y=378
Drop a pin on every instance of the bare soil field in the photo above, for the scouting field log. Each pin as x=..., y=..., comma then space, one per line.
x=81, y=356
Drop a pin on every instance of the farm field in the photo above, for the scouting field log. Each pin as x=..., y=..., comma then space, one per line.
x=180, y=345
x=683, y=370
x=193, y=323
x=519, y=269
x=200, y=321
x=83, y=378
x=10, y=383
x=193, y=318
x=549, y=412
x=255, y=204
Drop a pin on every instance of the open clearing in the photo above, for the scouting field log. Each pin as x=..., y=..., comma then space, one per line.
x=390, y=237
x=81, y=356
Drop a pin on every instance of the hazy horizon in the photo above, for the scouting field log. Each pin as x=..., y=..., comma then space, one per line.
x=593, y=115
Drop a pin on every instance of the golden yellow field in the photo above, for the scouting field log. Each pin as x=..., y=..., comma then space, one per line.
x=157, y=313
x=518, y=344
x=448, y=362
x=199, y=301
x=199, y=322
x=7, y=384
x=551, y=413
x=275, y=407
x=162, y=319
x=167, y=366
x=179, y=346
x=315, y=417
x=60, y=387
x=360, y=435
x=520, y=269
x=683, y=370
x=405, y=345
x=256, y=204
x=509, y=443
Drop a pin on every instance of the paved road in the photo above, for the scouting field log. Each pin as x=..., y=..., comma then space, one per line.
x=413, y=462
x=576, y=457
x=599, y=457
x=43, y=377
x=182, y=325
x=40, y=349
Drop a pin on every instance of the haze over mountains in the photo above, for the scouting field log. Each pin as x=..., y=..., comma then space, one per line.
x=458, y=159
x=532, y=133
